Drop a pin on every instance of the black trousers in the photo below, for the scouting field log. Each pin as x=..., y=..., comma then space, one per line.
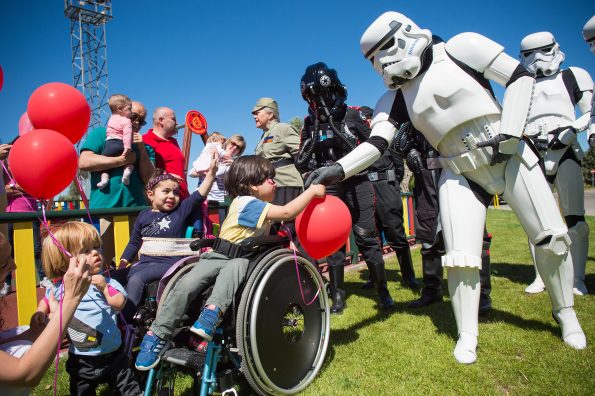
x=88, y=372
x=389, y=214
x=358, y=194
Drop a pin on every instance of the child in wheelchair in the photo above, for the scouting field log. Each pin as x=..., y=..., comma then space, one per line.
x=95, y=353
x=155, y=232
x=250, y=183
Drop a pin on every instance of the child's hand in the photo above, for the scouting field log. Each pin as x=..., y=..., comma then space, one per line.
x=38, y=322
x=319, y=190
x=214, y=165
x=99, y=282
x=54, y=305
x=123, y=264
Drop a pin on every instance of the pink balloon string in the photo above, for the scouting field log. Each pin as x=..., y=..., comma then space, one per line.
x=59, y=341
x=297, y=269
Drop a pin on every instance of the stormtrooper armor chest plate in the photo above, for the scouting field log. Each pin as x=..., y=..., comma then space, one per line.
x=551, y=106
x=444, y=97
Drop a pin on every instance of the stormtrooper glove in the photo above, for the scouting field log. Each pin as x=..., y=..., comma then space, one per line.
x=326, y=175
x=503, y=147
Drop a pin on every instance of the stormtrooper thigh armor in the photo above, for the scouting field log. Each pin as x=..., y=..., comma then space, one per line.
x=528, y=194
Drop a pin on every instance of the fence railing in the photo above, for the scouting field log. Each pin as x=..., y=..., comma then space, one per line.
x=26, y=280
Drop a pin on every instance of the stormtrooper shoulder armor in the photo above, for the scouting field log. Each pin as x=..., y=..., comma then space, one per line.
x=583, y=79
x=473, y=49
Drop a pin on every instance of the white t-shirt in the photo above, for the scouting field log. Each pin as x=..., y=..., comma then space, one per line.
x=17, y=349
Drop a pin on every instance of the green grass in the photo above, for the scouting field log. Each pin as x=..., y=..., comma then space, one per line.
x=410, y=352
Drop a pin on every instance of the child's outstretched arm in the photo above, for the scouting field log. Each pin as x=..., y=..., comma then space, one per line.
x=209, y=179
x=290, y=210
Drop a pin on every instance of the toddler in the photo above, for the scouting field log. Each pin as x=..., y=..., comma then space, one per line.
x=250, y=181
x=118, y=139
x=155, y=231
x=95, y=353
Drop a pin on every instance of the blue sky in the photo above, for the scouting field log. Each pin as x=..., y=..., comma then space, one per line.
x=219, y=57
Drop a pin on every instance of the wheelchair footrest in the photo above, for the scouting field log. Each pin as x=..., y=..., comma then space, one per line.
x=192, y=360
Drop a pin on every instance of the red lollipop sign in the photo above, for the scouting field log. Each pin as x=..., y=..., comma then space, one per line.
x=196, y=122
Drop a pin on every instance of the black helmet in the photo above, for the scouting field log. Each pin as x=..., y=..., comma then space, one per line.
x=323, y=91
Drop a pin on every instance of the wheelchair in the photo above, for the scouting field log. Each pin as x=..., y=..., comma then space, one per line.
x=275, y=334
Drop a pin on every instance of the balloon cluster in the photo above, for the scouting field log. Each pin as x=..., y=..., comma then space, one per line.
x=43, y=161
x=324, y=226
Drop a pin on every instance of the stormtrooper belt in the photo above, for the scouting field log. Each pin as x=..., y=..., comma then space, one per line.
x=166, y=247
x=466, y=162
x=388, y=175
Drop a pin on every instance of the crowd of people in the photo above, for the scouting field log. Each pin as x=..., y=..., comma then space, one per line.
x=461, y=156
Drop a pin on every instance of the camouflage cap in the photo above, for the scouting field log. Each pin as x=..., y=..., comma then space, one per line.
x=266, y=102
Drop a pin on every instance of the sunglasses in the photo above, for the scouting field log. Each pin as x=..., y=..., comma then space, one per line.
x=137, y=118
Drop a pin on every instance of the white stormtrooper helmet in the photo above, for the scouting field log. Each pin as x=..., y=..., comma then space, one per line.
x=589, y=33
x=395, y=45
x=540, y=54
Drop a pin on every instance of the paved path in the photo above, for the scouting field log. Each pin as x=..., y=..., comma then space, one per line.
x=589, y=202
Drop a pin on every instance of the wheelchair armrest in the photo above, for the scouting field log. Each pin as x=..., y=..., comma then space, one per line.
x=254, y=244
x=198, y=244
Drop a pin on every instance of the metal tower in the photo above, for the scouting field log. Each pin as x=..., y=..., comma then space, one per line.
x=89, y=53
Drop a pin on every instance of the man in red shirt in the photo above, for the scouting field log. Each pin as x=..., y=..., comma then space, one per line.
x=168, y=155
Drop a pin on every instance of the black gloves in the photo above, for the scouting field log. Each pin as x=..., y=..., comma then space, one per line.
x=414, y=162
x=326, y=175
x=503, y=146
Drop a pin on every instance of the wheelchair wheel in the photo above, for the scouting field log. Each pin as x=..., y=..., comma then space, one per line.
x=282, y=341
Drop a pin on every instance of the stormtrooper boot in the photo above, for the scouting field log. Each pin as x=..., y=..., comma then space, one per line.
x=537, y=286
x=464, y=289
x=557, y=274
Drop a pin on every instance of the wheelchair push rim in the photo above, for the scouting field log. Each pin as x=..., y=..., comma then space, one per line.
x=281, y=338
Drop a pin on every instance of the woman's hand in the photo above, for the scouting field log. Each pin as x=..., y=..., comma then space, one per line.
x=77, y=279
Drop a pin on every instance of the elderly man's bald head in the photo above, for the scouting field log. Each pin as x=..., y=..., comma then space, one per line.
x=164, y=122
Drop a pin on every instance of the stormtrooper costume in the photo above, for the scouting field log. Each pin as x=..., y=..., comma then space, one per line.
x=589, y=36
x=552, y=126
x=442, y=89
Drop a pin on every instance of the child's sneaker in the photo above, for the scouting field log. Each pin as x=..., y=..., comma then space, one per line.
x=150, y=351
x=207, y=323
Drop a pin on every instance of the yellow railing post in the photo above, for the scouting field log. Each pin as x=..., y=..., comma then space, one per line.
x=26, y=272
x=121, y=235
x=405, y=215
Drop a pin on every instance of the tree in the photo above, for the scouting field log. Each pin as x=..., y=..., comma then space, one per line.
x=588, y=164
x=297, y=123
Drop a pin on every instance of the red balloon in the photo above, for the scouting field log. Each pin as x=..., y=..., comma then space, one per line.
x=43, y=163
x=324, y=226
x=61, y=108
